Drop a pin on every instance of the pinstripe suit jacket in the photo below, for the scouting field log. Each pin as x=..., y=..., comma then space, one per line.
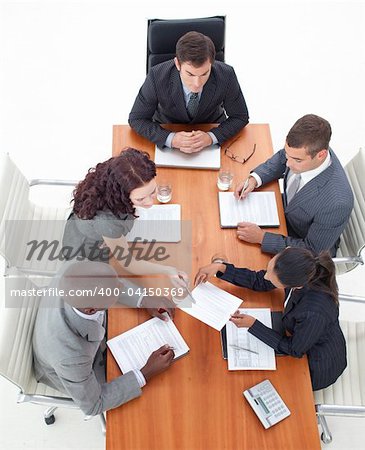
x=161, y=100
x=317, y=214
x=311, y=318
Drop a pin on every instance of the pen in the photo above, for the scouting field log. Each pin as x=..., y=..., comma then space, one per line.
x=187, y=289
x=237, y=347
x=245, y=186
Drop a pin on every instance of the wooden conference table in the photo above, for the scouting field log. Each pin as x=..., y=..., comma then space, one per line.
x=197, y=403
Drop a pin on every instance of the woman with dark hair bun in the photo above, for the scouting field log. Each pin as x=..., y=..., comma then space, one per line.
x=310, y=315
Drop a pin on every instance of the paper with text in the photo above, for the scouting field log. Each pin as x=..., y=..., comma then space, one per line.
x=160, y=222
x=239, y=359
x=259, y=208
x=132, y=348
x=208, y=158
x=212, y=306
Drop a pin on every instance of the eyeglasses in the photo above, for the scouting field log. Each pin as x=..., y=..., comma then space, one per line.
x=238, y=158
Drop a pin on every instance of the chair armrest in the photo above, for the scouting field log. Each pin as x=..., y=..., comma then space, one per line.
x=348, y=259
x=39, y=181
x=46, y=400
x=351, y=298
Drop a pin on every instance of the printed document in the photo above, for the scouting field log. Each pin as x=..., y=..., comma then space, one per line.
x=212, y=306
x=160, y=222
x=259, y=208
x=132, y=348
x=208, y=158
x=245, y=351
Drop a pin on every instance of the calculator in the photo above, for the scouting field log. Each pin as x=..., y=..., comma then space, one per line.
x=267, y=403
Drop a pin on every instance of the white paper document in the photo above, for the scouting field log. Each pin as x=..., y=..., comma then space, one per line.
x=160, y=222
x=208, y=158
x=212, y=306
x=259, y=208
x=245, y=351
x=132, y=348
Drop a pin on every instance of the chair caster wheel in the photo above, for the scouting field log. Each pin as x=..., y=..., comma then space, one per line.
x=50, y=420
x=326, y=440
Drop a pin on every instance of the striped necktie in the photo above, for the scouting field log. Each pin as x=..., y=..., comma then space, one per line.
x=293, y=188
x=193, y=104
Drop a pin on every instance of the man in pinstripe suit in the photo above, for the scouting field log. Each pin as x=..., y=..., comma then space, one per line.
x=192, y=88
x=317, y=196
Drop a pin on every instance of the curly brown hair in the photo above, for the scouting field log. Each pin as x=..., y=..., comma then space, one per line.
x=108, y=185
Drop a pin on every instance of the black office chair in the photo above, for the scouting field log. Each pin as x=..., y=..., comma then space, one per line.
x=162, y=36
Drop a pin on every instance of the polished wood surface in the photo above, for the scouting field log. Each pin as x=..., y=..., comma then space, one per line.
x=197, y=403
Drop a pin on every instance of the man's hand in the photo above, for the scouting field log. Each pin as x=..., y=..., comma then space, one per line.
x=156, y=306
x=207, y=272
x=191, y=142
x=159, y=361
x=250, y=232
x=252, y=183
x=242, y=320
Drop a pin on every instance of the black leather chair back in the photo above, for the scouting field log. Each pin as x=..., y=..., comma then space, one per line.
x=162, y=36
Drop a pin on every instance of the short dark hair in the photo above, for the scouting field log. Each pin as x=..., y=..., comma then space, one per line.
x=298, y=266
x=195, y=48
x=312, y=132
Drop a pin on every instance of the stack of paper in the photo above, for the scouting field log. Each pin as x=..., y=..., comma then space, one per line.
x=208, y=158
x=259, y=208
x=245, y=351
x=161, y=223
x=211, y=305
x=132, y=348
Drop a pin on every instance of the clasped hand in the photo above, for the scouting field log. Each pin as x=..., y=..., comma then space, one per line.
x=191, y=141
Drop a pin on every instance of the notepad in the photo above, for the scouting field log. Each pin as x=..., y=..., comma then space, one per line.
x=259, y=208
x=245, y=351
x=208, y=158
x=132, y=348
x=212, y=306
x=161, y=223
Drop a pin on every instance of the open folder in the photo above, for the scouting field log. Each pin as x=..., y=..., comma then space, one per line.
x=259, y=208
x=208, y=158
x=132, y=348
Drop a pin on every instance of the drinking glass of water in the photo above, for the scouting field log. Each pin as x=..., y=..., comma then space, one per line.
x=164, y=192
x=225, y=178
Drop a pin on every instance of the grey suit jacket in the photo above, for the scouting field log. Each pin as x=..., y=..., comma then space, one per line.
x=68, y=357
x=161, y=100
x=317, y=214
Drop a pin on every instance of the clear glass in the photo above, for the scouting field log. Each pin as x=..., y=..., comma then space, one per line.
x=164, y=192
x=225, y=179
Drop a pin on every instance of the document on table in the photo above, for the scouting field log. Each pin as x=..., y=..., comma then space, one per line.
x=245, y=351
x=132, y=348
x=212, y=306
x=208, y=158
x=259, y=208
x=161, y=223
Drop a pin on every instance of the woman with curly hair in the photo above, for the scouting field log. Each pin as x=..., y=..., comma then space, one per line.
x=104, y=204
x=310, y=315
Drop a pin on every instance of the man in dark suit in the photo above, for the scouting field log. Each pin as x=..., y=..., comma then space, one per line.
x=192, y=88
x=317, y=197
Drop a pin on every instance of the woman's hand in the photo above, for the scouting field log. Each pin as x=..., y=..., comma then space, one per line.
x=207, y=272
x=242, y=320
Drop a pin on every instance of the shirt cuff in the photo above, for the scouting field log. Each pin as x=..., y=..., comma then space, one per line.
x=169, y=139
x=214, y=138
x=257, y=178
x=140, y=378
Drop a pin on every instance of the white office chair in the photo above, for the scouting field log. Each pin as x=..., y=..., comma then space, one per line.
x=17, y=320
x=23, y=222
x=353, y=237
x=346, y=397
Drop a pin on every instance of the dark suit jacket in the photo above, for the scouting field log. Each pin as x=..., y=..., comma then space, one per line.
x=161, y=100
x=311, y=318
x=317, y=214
